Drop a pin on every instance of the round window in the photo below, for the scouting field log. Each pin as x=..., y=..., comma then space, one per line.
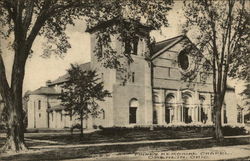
x=183, y=61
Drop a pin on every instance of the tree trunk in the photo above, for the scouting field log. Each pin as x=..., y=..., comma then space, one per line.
x=81, y=125
x=12, y=96
x=15, y=128
x=218, y=135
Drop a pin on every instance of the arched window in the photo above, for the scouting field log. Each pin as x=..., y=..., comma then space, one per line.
x=133, y=105
x=103, y=113
x=186, y=97
x=169, y=102
x=39, y=104
x=133, y=77
x=183, y=60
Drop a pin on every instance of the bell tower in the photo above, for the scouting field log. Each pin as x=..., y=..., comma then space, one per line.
x=133, y=81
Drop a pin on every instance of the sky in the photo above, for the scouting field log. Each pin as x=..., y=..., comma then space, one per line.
x=38, y=69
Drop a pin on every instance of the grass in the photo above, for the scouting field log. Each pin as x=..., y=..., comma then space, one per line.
x=112, y=135
x=121, y=136
x=84, y=152
x=117, y=135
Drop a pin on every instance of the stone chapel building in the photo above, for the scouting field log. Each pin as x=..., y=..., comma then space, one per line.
x=174, y=101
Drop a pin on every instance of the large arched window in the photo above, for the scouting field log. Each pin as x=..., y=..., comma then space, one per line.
x=169, y=101
x=183, y=60
x=133, y=105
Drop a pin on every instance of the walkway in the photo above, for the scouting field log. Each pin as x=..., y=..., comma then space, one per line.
x=127, y=143
x=215, y=153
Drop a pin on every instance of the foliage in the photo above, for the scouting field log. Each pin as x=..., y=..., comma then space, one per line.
x=246, y=93
x=24, y=20
x=82, y=91
x=222, y=33
x=228, y=130
x=127, y=16
x=234, y=130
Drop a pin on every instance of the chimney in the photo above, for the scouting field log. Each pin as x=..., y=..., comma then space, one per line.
x=48, y=82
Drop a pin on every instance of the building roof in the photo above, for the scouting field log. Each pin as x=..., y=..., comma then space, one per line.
x=44, y=91
x=56, y=108
x=161, y=46
x=61, y=79
x=114, y=21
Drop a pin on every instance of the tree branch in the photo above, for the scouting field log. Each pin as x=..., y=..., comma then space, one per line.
x=8, y=6
x=228, y=31
x=28, y=15
x=38, y=24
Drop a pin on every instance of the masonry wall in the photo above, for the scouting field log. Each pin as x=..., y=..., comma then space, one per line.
x=117, y=107
x=37, y=116
x=231, y=107
x=108, y=76
x=168, y=73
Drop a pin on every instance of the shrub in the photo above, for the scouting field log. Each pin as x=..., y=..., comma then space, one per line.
x=206, y=130
x=94, y=126
x=100, y=127
x=233, y=130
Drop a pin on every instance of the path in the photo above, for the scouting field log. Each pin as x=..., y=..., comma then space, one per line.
x=215, y=153
x=128, y=143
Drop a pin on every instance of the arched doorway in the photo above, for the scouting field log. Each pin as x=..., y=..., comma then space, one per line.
x=187, y=115
x=133, y=105
x=202, y=111
x=169, y=105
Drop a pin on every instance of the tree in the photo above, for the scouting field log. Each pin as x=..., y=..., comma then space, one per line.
x=27, y=19
x=246, y=98
x=81, y=93
x=222, y=33
x=246, y=93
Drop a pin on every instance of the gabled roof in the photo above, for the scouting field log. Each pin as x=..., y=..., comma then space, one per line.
x=44, y=91
x=164, y=45
x=61, y=79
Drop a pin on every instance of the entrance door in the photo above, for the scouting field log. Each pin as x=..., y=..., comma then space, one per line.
x=132, y=115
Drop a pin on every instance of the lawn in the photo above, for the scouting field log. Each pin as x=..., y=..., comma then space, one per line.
x=110, y=135
x=95, y=151
x=113, y=135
